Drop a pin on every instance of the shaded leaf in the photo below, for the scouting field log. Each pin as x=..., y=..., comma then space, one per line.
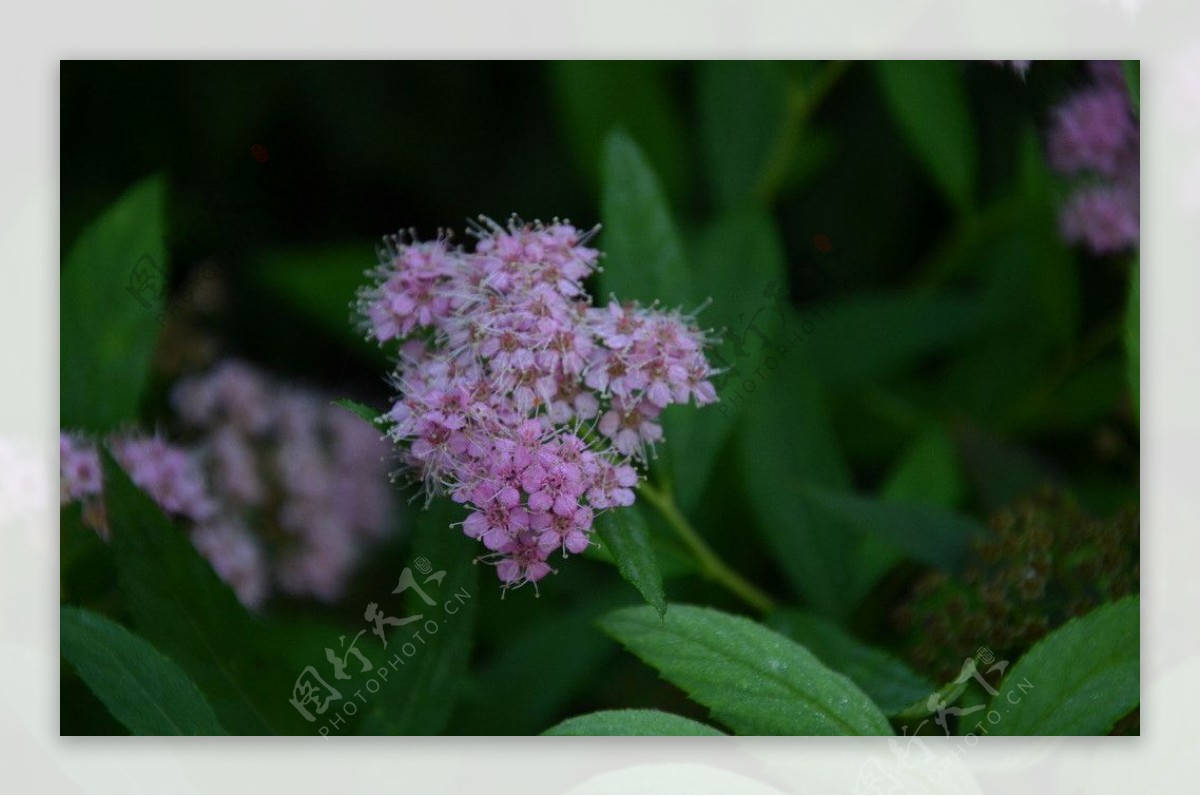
x=141, y=687
x=743, y=111
x=928, y=471
x=560, y=649
x=739, y=264
x=1000, y=472
x=321, y=284
x=929, y=102
x=594, y=97
x=930, y=534
x=867, y=338
x=787, y=434
x=422, y=693
x=753, y=679
x=631, y=722
x=109, y=321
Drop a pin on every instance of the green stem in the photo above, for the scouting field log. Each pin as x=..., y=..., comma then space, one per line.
x=710, y=563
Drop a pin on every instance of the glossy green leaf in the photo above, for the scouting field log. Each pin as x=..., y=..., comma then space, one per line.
x=112, y=300
x=1079, y=680
x=928, y=100
x=624, y=532
x=743, y=111
x=644, y=253
x=631, y=722
x=179, y=605
x=143, y=689
x=594, y=97
x=421, y=694
x=885, y=679
x=754, y=680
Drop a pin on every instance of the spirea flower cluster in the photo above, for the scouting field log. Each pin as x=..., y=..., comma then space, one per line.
x=518, y=397
x=280, y=490
x=1094, y=140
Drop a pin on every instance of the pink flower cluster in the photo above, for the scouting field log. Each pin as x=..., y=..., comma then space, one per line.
x=279, y=488
x=168, y=474
x=519, y=398
x=1094, y=139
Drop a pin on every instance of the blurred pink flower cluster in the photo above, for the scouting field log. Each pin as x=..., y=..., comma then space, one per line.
x=280, y=489
x=1094, y=139
x=519, y=398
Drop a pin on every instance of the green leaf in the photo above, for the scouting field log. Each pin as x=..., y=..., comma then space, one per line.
x=422, y=693
x=368, y=414
x=140, y=686
x=753, y=679
x=1133, y=336
x=787, y=433
x=109, y=325
x=180, y=605
x=1079, y=680
x=559, y=648
x=926, y=533
x=885, y=679
x=1133, y=82
x=739, y=264
x=644, y=255
x=322, y=284
x=743, y=112
x=594, y=97
x=625, y=533
x=928, y=471
x=999, y=471
x=673, y=559
x=929, y=102
x=631, y=722
x=867, y=338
